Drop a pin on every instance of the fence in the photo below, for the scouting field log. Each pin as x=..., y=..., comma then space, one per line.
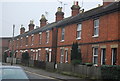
x=88, y=71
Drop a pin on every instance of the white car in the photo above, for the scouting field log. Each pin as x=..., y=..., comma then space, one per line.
x=12, y=72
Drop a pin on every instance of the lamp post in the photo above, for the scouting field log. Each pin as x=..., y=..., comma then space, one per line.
x=13, y=45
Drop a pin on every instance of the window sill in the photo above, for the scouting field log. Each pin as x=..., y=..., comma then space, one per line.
x=62, y=41
x=95, y=36
x=66, y=62
x=47, y=42
x=78, y=38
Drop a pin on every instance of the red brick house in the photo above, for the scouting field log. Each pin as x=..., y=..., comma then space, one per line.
x=96, y=31
x=4, y=46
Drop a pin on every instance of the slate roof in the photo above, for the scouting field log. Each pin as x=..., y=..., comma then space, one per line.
x=91, y=14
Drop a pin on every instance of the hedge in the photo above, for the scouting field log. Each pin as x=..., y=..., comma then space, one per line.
x=110, y=72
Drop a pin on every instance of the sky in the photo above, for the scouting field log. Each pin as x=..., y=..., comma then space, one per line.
x=22, y=11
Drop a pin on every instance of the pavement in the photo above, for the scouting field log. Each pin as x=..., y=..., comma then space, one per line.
x=50, y=75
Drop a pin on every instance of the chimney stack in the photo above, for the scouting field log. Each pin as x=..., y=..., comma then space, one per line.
x=75, y=8
x=22, y=29
x=31, y=25
x=59, y=14
x=43, y=21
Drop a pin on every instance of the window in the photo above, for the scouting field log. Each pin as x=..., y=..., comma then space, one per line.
x=79, y=29
x=62, y=56
x=17, y=42
x=21, y=41
x=103, y=56
x=40, y=38
x=47, y=56
x=95, y=55
x=32, y=39
x=96, y=27
x=37, y=54
x=66, y=56
x=63, y=34
x=114, y=56
x=47, y=36
x=26, y=40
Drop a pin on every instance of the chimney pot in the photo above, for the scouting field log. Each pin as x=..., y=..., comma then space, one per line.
x=75, y=8
x=31, y=21
x=76, y=2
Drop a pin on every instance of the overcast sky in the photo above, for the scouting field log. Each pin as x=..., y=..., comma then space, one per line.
x=22, y=11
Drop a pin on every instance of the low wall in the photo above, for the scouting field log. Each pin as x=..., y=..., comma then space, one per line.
x=40, y=64
x=50, y=66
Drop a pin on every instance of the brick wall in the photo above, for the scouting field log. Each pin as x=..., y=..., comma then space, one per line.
x=108, y=30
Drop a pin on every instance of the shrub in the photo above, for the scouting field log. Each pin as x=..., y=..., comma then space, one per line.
x=110, y=72
x=76, y=54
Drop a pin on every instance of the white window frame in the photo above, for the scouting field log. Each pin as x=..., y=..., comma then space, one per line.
x=62, y=34
x=40, y=38
x=61, y=55
x=95, y=55
x=50, y=55
x=27, y=40
x=47, y=36
x=32, y=39
x=113, y=55
x=37, y=54
x=96, y=28
x=102, y=55
x=79, y=29
x=66, y=56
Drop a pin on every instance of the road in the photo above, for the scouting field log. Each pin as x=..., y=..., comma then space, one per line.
x=36, y=76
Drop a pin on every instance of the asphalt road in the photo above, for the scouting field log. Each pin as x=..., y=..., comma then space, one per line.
x=37, y=77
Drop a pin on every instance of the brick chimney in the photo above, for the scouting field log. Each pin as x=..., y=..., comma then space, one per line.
x=107, y=2
x=22, y=29
x=75, y=8
x=59, y=14
x=31, y=25
x=43, y=21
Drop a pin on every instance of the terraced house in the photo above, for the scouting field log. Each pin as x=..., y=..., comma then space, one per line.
x=97, y=32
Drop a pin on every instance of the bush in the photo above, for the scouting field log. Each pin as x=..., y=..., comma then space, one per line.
x=110, y=72
x=88, y=64
x=74, y=62
x=76, y=54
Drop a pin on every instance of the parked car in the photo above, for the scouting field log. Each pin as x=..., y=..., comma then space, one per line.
x=12, y=72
